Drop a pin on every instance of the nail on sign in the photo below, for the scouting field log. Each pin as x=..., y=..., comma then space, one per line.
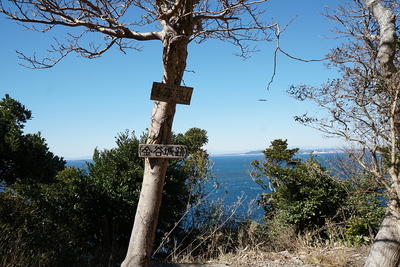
x=171, y=93
x=163, y=151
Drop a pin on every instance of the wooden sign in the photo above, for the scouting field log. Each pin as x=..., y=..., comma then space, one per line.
x=171, y=93
x=163, y=151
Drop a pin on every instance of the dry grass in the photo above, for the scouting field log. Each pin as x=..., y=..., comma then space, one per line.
x=249, y=246
x=231, y=242
x=14, y=253
x=237, y=242
x=304, y=256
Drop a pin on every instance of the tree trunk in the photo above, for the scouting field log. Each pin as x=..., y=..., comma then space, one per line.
x=388, y=39
x=142, y=238
x=385, y=251
x=145, y=225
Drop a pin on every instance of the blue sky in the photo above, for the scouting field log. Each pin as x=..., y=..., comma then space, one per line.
x=82, y=104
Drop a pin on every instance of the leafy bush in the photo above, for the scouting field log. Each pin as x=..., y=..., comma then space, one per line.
x=303, y=194
x=90, y=213
x=23, y=157
x=363, y=209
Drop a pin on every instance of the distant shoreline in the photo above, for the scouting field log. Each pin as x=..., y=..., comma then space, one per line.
x=301, y=152
x=250, y=153
x=236, y=154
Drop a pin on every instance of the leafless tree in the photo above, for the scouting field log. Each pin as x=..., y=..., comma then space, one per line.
x=175, y=23
x=363, y=105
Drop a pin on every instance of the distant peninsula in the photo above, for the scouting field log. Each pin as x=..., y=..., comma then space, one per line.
x=301, y=151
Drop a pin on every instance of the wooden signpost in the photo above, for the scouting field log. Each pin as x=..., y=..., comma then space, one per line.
x=171, y=93
x=163, y=151
x=167, y=93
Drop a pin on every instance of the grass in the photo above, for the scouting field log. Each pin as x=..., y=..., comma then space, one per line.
x=224, y=238
x=238, y=241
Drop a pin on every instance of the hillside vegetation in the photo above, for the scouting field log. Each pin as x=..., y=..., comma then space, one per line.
x=52, y=215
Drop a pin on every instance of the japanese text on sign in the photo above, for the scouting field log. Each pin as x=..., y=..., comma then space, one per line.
x=162, y=151
x=171, y=93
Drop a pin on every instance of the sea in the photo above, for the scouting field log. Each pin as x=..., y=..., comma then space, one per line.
x=235, y=186
x=231, y=184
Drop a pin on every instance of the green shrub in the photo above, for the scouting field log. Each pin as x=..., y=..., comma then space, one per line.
x=303, y=194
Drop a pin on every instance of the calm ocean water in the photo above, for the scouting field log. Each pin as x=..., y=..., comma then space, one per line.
x=234, y=183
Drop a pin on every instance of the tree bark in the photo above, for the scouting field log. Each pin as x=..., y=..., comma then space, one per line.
x=388, y=39
x=142, y=238
x=145, y=225
x=385, y=252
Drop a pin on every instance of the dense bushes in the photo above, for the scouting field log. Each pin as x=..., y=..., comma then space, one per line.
x=51, y=216
x=24, y=158
x=90, y=213
x=305, y=195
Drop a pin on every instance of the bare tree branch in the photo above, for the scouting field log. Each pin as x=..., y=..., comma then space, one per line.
x=222, y=21
x=278, y=48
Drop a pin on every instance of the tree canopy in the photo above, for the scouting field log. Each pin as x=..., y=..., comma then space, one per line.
x=85, y=210
x=305, y=195
x=24, y=158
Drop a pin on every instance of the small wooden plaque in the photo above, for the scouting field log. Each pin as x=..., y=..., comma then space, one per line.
x=171, y=93
x=163, y=151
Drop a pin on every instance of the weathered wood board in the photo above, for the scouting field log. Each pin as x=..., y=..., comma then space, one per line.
x=163, y=151
x=171, y=93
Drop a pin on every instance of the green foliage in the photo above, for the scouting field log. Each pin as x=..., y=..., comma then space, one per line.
x=356, y=231
x=276, y=156
x=306, y=196
x=363, y=210
x=26, y=166
x=278, y=153
x=23, y=158
x=47, y=227
x=85, y=217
